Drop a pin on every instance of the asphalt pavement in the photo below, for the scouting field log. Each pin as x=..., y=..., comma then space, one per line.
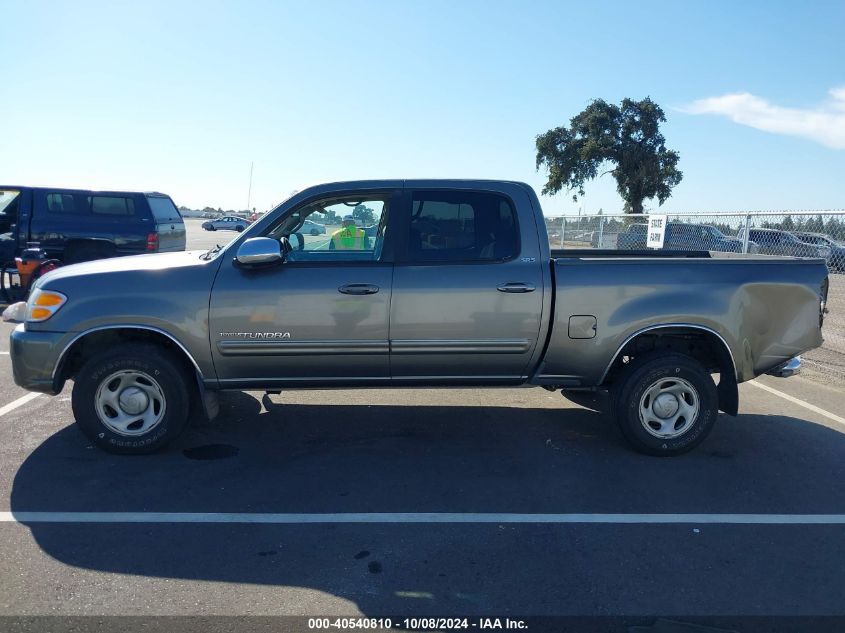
x=447, y=502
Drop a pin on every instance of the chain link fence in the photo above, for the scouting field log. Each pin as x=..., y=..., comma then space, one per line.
x=789, y=233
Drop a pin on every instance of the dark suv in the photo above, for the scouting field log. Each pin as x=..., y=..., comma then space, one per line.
x=682, y=237
x=75, y=225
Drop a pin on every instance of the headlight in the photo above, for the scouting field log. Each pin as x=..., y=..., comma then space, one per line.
x=43, y=304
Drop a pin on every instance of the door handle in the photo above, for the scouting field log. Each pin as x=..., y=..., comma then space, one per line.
x=516, y=287
x=358, y=289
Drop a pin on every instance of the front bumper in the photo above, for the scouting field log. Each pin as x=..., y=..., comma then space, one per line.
x=34, y=357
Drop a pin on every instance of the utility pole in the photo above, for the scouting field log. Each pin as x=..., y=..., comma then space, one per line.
x=249, y=192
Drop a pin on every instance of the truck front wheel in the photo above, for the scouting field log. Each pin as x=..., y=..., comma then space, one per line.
x=665, y=403
x=132, y=399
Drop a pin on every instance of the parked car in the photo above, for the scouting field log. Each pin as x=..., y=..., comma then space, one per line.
x=313, y=228
x=76, y=225
x=779, y=242
x=836, y=261
x=226, y=223
x=685, y=236
x=459, y=287
x=633, y=238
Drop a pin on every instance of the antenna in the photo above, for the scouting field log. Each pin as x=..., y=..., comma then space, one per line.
x=249, y=192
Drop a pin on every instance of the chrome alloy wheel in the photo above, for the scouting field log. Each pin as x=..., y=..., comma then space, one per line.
x=669, y=407
x=130, y=402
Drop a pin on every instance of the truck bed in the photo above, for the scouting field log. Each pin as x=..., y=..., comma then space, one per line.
x=765, y=308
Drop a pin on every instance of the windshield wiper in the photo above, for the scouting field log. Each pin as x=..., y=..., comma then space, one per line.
x=211, y=252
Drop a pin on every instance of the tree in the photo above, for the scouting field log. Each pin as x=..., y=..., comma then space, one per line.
x=330, y=217
x=364, y=215
x=627, y=137
x=815, y=225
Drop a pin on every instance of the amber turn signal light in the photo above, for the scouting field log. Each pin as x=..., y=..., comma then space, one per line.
x=43, y=304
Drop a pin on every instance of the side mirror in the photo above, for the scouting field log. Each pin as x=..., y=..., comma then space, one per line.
x=257, y=251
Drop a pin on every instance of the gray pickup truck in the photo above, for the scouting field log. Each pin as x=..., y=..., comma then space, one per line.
x=453, y=283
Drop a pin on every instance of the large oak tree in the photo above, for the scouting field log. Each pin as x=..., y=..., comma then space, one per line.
x=624, y=140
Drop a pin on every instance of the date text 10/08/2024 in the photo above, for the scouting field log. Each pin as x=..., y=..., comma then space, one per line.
x=426, y=623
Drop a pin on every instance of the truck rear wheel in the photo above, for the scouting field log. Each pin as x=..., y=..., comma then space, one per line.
x=665, y=403
x=132, y=399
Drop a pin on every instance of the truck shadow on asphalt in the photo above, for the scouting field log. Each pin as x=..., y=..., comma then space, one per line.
x=334, y=459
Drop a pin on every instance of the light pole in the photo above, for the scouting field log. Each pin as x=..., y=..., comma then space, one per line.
x=249, y=191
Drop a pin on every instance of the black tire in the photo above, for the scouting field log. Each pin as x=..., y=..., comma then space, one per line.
x=240, y=229
x=170, y=378
x=659, y=371
x=314, y=232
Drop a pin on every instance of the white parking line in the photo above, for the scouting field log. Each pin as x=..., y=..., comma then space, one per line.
x=414, y=517
x=801, y=403
x=4, y=353
x=17, y=403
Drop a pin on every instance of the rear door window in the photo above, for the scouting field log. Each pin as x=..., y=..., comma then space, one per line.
x=62, y=203
x=163, y=209
x=462, y=226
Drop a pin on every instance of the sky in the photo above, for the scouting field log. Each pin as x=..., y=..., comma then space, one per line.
x=182, y=97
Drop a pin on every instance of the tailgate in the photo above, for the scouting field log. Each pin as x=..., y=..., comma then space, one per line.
x=170, y=227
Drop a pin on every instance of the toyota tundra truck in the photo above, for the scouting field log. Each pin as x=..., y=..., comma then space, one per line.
x=456, y=285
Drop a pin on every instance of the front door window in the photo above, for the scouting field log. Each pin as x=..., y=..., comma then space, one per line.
x=349, y=228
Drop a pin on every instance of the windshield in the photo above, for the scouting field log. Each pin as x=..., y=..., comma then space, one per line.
x=8, y=210
x=818, y=240
x=6, y=199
